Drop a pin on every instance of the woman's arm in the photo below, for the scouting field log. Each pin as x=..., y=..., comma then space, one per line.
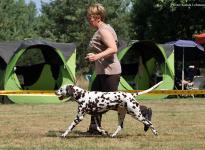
x=109, y=41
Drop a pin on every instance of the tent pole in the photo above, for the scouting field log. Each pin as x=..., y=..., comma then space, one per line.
x=183, y=70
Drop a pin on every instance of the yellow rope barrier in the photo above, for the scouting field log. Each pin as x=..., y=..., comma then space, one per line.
x=172, y=92
x=52, y=92
x=28, y=92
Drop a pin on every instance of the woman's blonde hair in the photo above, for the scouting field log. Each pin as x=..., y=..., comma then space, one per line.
x=96, y=10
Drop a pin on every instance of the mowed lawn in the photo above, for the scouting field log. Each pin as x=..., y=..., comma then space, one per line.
x=180, y=123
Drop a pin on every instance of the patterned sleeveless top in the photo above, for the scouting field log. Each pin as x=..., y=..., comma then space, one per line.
x=109, y=65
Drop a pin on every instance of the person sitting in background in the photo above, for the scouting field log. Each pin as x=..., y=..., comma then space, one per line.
x=190, y=73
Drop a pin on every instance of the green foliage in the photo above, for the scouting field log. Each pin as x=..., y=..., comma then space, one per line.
x=18, y=20
x=60, y=21
x=161, y=20
x=65, y=21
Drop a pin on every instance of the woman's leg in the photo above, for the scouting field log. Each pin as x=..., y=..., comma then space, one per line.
x=105, y=83
x=96, y=86
x=110, y=83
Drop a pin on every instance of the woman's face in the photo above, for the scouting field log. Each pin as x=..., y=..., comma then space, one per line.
x=93, y=20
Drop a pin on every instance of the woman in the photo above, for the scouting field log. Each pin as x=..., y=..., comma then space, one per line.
x=104, y=48
x=107, y=66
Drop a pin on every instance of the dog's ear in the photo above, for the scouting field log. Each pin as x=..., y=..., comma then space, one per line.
x=70, y=90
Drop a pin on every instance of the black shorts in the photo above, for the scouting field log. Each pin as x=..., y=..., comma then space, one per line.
x=106, y=83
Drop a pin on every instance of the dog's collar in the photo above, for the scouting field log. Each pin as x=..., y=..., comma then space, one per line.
x=67, y=99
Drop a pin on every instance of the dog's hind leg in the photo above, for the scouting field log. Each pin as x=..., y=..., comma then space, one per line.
x=76, y=121
x=121, y=116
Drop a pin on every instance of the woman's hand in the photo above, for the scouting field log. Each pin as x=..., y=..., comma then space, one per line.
x=92, y=57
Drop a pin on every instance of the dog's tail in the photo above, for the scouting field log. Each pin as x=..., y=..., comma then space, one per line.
x=148, y=90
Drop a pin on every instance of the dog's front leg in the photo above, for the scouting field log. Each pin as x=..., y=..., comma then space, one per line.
x=76, y=121
x=98, y=128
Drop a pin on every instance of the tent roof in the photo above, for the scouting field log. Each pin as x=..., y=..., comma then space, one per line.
x=149, y=49
x=168, y=49
x=7, y=49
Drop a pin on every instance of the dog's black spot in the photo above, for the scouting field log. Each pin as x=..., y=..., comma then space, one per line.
x=115, y=101
x=83, y=94
x=76, y=121
x=78, y=95
x=131, y=100
x=135, y=103
x=102, y=96
x=124, y=95
x=125, y=105
x=101, y=105
x=133, y=107
x=121, y=125
x=81, y=103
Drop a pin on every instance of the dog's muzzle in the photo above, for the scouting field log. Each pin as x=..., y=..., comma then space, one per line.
x=60, y=96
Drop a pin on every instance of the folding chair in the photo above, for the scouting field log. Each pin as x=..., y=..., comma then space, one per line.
x=198, y=83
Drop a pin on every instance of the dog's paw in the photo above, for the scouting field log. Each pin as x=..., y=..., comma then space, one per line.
x=104, y=133
x=113, y=135
x=155, y=132
x=63, y=135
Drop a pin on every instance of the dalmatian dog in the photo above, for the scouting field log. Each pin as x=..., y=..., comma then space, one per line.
x=95, y=102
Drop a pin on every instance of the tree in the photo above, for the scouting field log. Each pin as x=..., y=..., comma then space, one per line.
x=65, y=21
x=162, y=21
x=18, y=20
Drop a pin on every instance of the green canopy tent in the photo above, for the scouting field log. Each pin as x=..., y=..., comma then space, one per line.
x=36, y=65
x=144, y=63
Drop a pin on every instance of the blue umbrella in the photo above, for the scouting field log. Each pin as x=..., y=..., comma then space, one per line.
x=187, y=45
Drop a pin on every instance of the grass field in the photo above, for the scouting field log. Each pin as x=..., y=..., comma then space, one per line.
x=180, y=123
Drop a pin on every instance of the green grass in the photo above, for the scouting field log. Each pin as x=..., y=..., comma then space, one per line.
x=180, y=123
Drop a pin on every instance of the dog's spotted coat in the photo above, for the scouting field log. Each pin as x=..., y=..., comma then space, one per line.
x=93, y=102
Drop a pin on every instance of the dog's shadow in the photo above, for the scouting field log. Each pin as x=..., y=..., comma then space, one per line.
x=80, y=134
x=74, y=134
